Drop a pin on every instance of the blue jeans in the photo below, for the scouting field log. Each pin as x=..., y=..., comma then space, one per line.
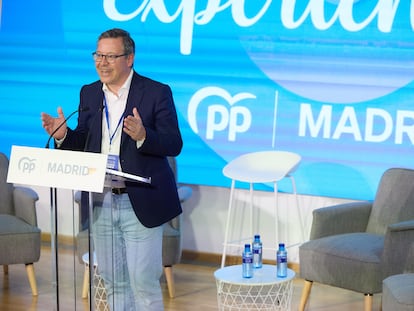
x=129, y=256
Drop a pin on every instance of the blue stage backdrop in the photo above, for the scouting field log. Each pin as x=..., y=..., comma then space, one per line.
x=331, y=80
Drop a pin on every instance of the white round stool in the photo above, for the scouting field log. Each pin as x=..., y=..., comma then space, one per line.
x=259, y=167
x=98, y=284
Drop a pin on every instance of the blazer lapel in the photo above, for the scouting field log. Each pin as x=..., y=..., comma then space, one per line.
x=135, y=96
x=95, y=132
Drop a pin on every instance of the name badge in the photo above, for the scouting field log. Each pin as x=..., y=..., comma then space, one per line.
x=113, y=161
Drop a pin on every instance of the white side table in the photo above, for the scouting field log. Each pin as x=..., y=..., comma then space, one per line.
x=98, y=284
x=264, y=291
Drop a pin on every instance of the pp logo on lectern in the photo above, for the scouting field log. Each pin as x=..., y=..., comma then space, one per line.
x=222, y=115
x=27, y=165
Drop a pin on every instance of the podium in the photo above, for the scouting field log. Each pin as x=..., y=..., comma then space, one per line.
x=63, y=169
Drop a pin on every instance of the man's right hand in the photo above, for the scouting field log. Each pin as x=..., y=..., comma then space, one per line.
x=50, y=123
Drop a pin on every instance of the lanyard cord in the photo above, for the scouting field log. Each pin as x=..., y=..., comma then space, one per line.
x=111, y=137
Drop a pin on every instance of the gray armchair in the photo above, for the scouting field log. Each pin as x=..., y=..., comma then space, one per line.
x=398, y=289
x=171, y=248
x=355, y=246
x=171, y=242
x=19, y=234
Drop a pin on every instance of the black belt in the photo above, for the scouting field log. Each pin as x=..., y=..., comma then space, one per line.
x=119, y=190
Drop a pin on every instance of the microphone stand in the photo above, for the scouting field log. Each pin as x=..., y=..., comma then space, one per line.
x=91, y=251
x=54, y=243
x=54, y=220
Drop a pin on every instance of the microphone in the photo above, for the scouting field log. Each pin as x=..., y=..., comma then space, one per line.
x=64, y=122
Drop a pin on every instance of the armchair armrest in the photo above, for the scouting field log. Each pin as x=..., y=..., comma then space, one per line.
x=397, y=247
x=24, y=200
x=338, y=219
x=409, y=262
x=184, y=192
x=77, y=197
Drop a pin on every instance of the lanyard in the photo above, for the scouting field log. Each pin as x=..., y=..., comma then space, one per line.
x=111, y=137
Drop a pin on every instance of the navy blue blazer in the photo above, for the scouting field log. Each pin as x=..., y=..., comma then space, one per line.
x=153, y=204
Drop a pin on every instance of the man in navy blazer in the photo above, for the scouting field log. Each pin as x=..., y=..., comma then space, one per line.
x=132, y=119
x=158, y=203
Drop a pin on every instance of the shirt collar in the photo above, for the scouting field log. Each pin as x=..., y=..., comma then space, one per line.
x=124, y=88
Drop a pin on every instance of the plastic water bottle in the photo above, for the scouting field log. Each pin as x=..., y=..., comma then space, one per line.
x=257, y=252
x=247, y=262
x=281, y=258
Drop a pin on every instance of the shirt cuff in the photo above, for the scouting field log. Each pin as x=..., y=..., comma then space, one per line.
x=140, y=143
x=59, y=142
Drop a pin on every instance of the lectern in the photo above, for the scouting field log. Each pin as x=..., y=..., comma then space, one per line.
x=61, y=169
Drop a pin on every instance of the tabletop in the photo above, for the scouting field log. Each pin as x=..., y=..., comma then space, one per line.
x=261, y=276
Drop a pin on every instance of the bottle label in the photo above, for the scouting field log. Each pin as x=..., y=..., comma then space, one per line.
x=247, y=259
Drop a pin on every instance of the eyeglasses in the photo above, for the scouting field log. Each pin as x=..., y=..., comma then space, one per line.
x=109, y=58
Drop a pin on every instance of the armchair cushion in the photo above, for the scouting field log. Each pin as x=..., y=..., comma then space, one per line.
x=398, y=290
x=398, y=293
x=350, y=261
x=15, y=231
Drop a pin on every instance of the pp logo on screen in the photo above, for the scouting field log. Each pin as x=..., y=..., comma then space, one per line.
x=224, y=115
x=27, y=165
